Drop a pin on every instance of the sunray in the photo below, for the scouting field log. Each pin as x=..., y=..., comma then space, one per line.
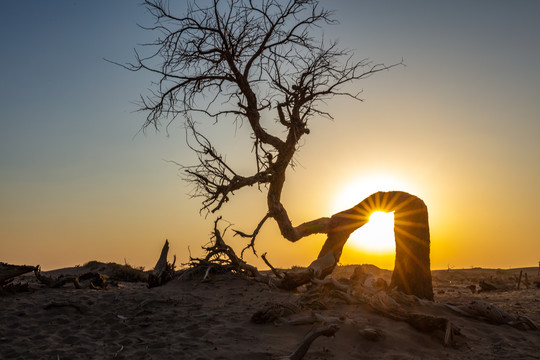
x=371, y=202
x=411, y=234
x=392, y=197
x=403, y=213
x=408, y=235
x=415, y=224
x=403, y=203
x=384, y=201
x=378, y=200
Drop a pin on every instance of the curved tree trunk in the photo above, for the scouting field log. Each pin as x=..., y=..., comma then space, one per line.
x=412, y=274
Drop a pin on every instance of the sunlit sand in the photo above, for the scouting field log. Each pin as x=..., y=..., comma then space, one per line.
x=190, y=319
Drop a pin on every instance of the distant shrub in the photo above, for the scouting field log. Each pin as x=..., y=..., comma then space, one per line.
x=119, y=272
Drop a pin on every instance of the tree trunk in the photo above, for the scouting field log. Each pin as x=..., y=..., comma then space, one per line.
x=163, y=271
x=412, y=269
x=412, y=274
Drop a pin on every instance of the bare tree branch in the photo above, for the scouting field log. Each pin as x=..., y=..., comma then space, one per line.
x=246, y=61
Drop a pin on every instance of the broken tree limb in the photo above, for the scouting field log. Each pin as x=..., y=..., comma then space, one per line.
x=220, y=257
x=303, y=347
x=253, y=236
x=318, y=269
x=274, y=270
x=163, y=271
x=8, y=271
x=412, y=273
x=481, y=310
x=385, y=305
x=333, y=282
x=96, y=281
x=51, y=282
x=161, y=264
x=318, y=226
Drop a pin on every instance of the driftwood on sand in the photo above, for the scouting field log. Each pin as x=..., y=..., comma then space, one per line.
x=411, y=274
x=360, y=289
x=366, y=290
x=407, y=298
x=484, y=311
x=305, y=343
x=8, y=271
x=95, y=280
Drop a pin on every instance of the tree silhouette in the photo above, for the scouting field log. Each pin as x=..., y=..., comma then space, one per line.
x=247, y=61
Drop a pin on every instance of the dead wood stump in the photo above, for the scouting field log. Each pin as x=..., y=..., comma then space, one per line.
x=163, y=271
x=412, y=273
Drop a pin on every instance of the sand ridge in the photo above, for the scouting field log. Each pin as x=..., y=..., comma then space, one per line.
x=187, y=319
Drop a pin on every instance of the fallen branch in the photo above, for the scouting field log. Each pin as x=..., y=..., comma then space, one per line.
x=484, y=311
x=51, y=282
x=119, y=350
x=220, y=257
x=8, y=271
x=274, y=271
x=303, y=347
x=333, y=282
x=96, y=281
x=389, y=307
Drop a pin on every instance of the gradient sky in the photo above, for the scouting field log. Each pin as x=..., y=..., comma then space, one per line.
x=458, y=126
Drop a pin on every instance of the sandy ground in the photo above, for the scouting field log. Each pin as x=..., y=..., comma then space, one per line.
x=187, y=319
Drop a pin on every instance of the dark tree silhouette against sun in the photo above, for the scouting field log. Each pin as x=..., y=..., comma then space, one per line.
x=248, y=61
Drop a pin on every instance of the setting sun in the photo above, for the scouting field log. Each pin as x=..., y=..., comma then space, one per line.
x=377, y=236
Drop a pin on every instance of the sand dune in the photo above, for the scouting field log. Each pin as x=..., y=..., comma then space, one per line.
x=187, y=319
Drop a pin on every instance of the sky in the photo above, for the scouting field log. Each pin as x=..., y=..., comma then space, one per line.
x=457, y=126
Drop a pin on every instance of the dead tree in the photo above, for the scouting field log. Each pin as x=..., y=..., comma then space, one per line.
x=412, y=274
x=246, y=61
x=250, y=61
x=163, y=271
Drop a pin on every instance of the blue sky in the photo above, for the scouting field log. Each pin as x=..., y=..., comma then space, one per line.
x=459, y=125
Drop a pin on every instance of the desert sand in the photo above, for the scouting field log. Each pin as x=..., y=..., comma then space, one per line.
x=190, y=319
